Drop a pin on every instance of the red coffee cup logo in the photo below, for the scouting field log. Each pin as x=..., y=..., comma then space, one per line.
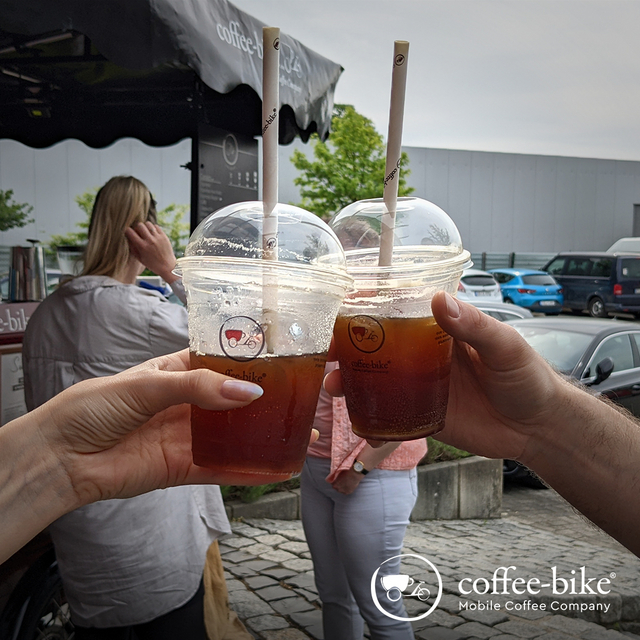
x=366, y=334
x=241, y=338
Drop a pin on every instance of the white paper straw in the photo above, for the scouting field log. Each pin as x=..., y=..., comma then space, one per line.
x=270, y=107
x=394, y=150
x=270, y=121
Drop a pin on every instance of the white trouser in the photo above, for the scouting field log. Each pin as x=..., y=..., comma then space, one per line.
x=349, y=537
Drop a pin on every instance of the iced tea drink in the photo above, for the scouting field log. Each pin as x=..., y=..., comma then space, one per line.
x=278, y=424
x=264, y=313
x=395, y=375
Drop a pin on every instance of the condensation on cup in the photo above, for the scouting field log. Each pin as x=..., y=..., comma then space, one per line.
x=394, y=358
x=263, y=320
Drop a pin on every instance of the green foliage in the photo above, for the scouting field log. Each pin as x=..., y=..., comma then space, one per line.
x=349, y=167
x=251, y=494
x=13, y=214
x=78, y=238
x=440, y=452
x=170, y=219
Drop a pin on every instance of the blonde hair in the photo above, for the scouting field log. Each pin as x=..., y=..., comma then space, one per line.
x=121, y=203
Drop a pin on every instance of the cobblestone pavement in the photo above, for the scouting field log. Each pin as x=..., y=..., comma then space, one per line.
x=271, y=586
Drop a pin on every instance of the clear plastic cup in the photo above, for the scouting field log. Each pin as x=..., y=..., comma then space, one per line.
x=266, y=321
x=394, y=358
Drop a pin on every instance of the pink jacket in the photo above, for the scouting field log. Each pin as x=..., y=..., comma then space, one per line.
x=346, y=446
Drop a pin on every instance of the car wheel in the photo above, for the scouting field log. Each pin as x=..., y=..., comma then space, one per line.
x=508, y=300
x=513, y=471
x=596, y=308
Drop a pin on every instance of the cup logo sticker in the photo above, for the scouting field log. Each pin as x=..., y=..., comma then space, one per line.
x=241, y=338
x=366, y=334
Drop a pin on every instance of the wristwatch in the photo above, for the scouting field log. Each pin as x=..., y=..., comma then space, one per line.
x=359, y=468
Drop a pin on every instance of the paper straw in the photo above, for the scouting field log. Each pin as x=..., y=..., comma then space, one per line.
x=394, y=150
x=270, y=106
x=270, y=121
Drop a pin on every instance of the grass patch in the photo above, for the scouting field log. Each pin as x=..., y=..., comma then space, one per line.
x=440, y=452
x=251, y=494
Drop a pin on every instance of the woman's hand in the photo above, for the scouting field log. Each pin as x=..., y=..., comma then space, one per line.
x=347, y=481
x=110, y=437
x=122, y=435
x=151, y=246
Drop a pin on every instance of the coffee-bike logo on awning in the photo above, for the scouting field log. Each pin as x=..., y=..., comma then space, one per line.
x=233, y=34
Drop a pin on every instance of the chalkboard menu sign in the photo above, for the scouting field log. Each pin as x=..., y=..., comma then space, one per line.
x=225, y=170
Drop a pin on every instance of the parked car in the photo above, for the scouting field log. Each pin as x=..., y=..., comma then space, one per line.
x=535, y=290
x=501, y=310
x=625, y=245
x=602, y=354
x=579, y=347
x=601, y=283
x=476, y=284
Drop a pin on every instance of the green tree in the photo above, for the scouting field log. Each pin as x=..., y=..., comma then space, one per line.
x=350, y=166
x=13, y=214
x=170, y=219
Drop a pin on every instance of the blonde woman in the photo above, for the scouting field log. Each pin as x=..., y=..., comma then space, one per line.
x=134, y=564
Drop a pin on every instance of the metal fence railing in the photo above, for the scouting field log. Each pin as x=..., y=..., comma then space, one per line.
x=486, y=260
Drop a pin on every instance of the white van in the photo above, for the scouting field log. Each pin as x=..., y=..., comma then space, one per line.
x=625, y=245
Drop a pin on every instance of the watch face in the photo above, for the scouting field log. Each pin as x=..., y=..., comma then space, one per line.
x=358, y=466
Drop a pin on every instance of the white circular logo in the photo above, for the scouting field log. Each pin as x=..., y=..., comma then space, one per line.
x=424, y=584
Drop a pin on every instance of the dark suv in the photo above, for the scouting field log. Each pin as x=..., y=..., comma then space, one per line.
x=601, y=283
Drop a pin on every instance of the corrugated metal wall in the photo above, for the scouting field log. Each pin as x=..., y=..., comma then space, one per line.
x=501, y=202
x=506, y=202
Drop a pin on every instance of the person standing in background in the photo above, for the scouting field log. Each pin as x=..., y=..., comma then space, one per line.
x=135, y=564
x=356, y=503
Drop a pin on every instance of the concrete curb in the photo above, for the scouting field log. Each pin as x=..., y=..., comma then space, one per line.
x=470, y=488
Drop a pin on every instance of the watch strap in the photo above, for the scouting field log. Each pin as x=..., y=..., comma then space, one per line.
x=360, y=467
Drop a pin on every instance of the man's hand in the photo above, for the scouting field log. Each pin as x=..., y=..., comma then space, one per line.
x=501, y=390
x=151, y=246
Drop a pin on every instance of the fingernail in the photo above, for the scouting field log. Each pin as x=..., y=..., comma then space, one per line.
x=453, y=308
x=241, y=390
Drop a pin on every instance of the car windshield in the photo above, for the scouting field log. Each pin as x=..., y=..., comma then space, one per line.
x=540, y=279
x=561, y=347
x=630, y=268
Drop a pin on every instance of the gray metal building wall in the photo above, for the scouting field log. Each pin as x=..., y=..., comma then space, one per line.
x=505, y=202
x=501, y=202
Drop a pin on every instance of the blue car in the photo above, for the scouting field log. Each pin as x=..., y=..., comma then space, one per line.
x=534, y=290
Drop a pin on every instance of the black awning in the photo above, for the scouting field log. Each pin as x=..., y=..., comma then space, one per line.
x=99, y=70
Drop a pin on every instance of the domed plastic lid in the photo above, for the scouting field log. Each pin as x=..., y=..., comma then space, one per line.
x=235, y=231
x=423, y=231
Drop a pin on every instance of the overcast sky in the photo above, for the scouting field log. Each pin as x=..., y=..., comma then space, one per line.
x=552, y=77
